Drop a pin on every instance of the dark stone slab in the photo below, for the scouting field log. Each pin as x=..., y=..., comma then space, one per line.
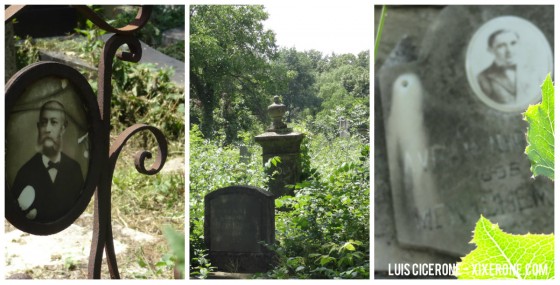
x=237, y=221
x=452, y=154
x=40, y=21
x=58, y=56
x=160, y=60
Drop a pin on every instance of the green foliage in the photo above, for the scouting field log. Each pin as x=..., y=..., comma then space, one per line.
x=229, y=55
x=296, y=73
x=158, y=270
x=356, y=114
x=236, y=68
x=326, y=235
x=540, y=134
x=176, y=50
x=90, y=46
x=500, y=255
x=380, y=29
x=26, y=52
x=145, y=203
x=164, y=17
x=200, y=264
x=143, y=93
x=213, y=166
x=70, y=263
x=176, y=242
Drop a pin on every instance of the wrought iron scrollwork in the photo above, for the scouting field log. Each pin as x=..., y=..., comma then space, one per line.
x=139, y=21
x=140, y=158
x=102, y=231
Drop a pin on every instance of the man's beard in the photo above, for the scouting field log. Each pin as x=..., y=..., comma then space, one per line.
x=49, y=146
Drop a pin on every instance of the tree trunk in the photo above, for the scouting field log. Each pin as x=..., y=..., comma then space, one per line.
x=207, y=122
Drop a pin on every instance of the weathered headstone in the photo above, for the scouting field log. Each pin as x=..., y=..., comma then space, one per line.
x=238, y=223
x=343, y=127
x=455, y=142
x=388, y=252
x=244, y=154
x=281, y=141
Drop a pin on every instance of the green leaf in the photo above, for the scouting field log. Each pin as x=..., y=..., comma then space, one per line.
x=500, y=255
x=348, y=246
x=540, y=134
x=176, y=241
x=325, y=259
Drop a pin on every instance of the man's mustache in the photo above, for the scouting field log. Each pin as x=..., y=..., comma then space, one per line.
x=56, y=142
x=45, y=138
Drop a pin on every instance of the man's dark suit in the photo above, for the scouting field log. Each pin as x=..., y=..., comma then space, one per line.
x=496, y=85
x=52, y=200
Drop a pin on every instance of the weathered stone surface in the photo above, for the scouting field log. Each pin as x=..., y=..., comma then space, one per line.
x=237, y=221
x=153, y=56
x=452, y=156
x=288, y=171
x=173, y=36
x=281, y=141
x=57, y=56
x=387, y=251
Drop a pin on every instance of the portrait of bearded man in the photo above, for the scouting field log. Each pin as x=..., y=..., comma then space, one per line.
x=48, y=185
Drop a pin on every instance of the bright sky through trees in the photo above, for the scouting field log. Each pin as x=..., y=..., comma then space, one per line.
x=326, y=26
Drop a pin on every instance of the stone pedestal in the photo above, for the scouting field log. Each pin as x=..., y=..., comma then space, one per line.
x=281, y=141
x=288, y=171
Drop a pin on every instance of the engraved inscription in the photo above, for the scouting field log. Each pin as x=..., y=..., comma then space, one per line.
x=234, y=224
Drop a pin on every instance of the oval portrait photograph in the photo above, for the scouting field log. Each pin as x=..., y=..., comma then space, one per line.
x=507, y=60
x=50, y=120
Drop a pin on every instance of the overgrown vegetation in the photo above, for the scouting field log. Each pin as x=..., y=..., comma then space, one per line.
x=141, y=94
x=236, y=68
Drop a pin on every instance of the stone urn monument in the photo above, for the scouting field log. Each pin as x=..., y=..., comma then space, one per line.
x=281, y=141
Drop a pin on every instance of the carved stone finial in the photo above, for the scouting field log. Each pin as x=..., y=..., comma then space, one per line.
x=276, y=111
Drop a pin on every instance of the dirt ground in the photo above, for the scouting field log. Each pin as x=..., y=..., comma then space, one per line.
x=138, y=238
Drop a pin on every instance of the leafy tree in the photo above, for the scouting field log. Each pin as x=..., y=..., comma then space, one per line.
x=344, y=89
x=299, y=73
x=229, y=55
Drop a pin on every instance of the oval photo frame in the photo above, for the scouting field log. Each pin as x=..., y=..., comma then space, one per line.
x=53, y=126
x=507, y=75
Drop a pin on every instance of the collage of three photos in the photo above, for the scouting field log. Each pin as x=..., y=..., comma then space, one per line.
x=357, y=141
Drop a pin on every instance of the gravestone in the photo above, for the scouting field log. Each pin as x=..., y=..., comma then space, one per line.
x=387, y=249
x=455, y=150
x=244, y=154
x=343, y=127
x=238, y=222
